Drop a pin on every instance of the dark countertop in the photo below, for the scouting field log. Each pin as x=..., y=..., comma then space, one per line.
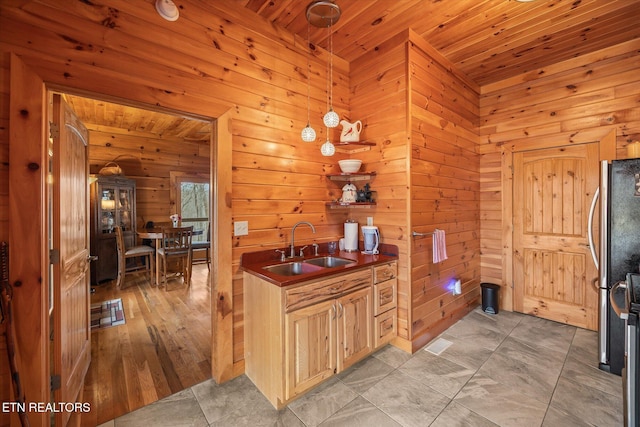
x=252, y=262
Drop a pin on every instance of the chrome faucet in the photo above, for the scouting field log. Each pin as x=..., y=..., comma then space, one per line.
x=293, y=234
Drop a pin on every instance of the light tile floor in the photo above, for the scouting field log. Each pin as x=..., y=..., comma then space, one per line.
x=507, y=369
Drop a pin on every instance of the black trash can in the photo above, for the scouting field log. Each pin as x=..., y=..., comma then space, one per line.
x=490, y=297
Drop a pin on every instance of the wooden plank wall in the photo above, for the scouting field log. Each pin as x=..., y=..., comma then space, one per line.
x=148, y=160
x=424, y=119
x=572, y=102
x=212, y=60
x=445, y=190
x=379, y=99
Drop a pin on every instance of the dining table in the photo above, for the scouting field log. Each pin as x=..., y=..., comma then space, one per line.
x=156, y=235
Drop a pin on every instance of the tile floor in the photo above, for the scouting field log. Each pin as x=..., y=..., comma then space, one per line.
x=504, y=370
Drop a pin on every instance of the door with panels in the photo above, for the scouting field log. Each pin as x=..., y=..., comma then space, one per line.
x=553, y=270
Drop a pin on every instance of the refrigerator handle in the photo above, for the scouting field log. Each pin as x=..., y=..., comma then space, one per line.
x=592, y=211
x=622, y=313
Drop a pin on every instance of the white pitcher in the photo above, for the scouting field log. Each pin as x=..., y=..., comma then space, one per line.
x=350, y=131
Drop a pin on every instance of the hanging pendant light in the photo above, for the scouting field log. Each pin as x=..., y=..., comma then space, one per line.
x=308, y=133
x=331, y=119
x=328, y=149
x=324, y=14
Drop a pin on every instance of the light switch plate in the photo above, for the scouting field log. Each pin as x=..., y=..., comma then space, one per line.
x=240, y=228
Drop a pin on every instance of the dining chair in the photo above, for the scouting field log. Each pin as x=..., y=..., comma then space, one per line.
x=203, y=246
x=175, y=246
x=124, y=253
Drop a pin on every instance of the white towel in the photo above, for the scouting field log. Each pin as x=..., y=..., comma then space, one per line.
x=439, y=246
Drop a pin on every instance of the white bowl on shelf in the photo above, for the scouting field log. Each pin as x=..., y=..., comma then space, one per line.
x=350, y=165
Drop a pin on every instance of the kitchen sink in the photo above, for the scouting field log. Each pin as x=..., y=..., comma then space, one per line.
x=292, y=268
x=329, y=261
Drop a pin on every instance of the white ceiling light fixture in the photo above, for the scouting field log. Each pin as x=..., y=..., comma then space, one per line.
x=168, y=10
x=324, y=14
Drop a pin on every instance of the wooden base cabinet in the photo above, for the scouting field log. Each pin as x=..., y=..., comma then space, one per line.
x=385, y=290
x=310, y=340
x=298, y=336
x=327, y=338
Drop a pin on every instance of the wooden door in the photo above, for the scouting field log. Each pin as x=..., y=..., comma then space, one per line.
x=71, y=296
x=553, y=270
x=354, y=327
x=310, y=346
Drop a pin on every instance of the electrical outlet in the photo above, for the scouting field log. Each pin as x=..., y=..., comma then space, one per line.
x=240, y=228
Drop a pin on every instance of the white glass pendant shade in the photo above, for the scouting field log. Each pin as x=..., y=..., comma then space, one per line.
x=331, y=119
x=328, y=149
x=308, y=134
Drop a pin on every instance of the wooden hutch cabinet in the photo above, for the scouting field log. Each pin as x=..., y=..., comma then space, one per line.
x=113, y=202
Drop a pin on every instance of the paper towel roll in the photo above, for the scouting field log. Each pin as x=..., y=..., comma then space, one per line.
x=350, y=236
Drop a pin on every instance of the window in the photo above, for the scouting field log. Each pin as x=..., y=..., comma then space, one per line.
x=193, y=202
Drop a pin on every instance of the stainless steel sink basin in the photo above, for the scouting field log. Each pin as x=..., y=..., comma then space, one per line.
x=329, y=261
x=292, y=268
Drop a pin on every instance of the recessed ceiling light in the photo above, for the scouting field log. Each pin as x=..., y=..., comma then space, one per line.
x=167, y=9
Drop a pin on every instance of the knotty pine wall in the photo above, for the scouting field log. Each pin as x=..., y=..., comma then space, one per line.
x=572, y=102
x=148, y=160
x=424, y=118
x=445, y=186
x=212, y=60
x=379, y=99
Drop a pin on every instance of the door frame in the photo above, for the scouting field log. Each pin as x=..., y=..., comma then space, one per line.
x=27, y=234
x=607, y=149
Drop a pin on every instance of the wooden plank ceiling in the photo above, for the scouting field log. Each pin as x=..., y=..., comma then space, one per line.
x=122, y=119
x=488, y=40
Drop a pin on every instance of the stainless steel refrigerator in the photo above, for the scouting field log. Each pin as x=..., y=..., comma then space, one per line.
x=619, y=195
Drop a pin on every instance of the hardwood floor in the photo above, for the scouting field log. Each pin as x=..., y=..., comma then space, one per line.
x=164, y=346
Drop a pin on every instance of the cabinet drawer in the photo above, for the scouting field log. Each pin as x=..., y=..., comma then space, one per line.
x=385, y=272
x=384, y=296
x=305, y=295
x=385, y=328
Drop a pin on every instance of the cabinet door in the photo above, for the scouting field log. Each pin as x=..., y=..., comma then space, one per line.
x=354, y=327
x=385, y=328
x=107, y=214
x=125, y=207
x=310, y=354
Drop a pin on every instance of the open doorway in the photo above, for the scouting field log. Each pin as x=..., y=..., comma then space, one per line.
x=164, y=344
x=28, y=146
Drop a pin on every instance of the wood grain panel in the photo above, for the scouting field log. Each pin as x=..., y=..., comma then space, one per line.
x=113, y=51
x=579, y=100
x=218, y=56
x=379, y=99
x=487, y=40
x=442, y=161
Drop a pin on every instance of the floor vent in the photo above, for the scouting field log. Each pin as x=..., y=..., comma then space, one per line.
x=438, y=346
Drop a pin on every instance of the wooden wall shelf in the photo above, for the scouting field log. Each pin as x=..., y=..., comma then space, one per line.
x=354, y=147
x=357, y=176
x=340, y=205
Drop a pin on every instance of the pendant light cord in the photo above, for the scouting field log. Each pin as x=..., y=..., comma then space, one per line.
x=308, y=76
x=328, y=73
x=330, y=67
